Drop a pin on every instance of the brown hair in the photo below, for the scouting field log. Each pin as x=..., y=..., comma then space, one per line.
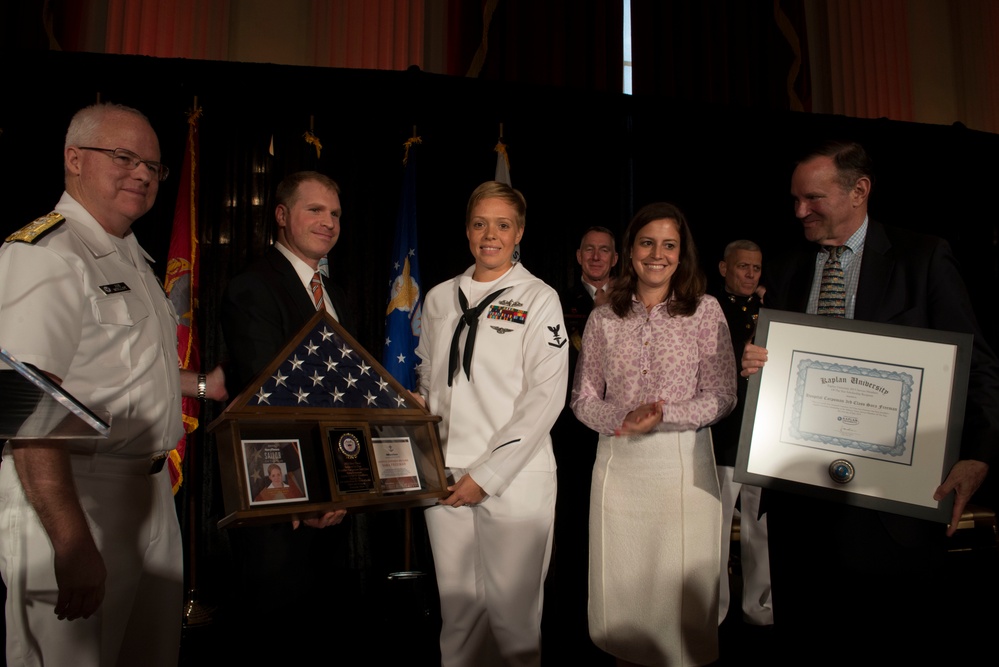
x=287, y=189
x=686, y=287
x=851, y=160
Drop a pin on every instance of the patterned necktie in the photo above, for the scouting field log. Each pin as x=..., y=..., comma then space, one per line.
x=470, y=318
x=316, y=285
x=832, y=294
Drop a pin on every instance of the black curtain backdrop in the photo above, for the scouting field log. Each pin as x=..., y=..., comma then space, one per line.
x=731, y=52
x=580, y=158
x=570, y=43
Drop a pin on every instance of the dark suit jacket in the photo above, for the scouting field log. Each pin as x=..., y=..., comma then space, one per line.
x=912, y=280
x=576, y=307
x=740, y=314
x=262, y=308
x=832, y=561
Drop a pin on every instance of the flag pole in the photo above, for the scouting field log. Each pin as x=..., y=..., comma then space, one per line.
x=402, y=314
x=182, y=287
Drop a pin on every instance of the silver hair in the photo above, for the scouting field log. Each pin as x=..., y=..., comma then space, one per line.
x=602, y=230
x=741, y=244
x=86, y=122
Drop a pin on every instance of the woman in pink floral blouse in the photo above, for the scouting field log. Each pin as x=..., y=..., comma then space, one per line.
x=655, y=370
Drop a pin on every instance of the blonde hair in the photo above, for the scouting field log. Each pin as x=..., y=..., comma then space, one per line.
x=497, y=190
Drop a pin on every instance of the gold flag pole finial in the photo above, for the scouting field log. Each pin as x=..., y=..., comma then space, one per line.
x=412, y=141
x=311, y=138
x=195, y=113
x=501, y=147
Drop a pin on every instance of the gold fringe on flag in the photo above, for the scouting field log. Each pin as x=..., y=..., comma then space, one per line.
x=412, y=141
x=314, y=140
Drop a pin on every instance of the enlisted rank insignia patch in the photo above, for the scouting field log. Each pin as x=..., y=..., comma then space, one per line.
x=507, y=314
x=557, y=339
x=33, y=231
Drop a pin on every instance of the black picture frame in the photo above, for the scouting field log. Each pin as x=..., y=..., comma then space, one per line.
x=821, y=371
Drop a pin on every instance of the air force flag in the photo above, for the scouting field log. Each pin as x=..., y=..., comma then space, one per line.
x=405, y=301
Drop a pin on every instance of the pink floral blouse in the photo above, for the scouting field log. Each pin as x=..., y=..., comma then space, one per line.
x=644, y=357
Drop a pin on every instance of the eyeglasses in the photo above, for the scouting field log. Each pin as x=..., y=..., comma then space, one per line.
x=126, y=159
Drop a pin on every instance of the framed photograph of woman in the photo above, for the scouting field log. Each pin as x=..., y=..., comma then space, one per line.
x=274, y=472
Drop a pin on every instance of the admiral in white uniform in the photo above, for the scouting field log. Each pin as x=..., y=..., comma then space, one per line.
x=494, y=365
x=90, y=545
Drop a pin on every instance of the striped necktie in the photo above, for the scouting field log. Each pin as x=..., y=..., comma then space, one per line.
x=316, y=285
x=832, y=293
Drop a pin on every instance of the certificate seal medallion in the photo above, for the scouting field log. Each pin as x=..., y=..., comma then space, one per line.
x=349, y=446
x=841, y=471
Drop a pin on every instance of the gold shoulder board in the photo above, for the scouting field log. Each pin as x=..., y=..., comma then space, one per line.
x=33, y=231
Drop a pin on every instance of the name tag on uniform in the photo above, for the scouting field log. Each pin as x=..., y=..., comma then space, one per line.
x=114, y=288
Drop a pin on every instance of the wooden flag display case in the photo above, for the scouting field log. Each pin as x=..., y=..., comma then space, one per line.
x=324, y=427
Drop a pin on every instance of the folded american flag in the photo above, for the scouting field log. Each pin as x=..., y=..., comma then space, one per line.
x=325, y=371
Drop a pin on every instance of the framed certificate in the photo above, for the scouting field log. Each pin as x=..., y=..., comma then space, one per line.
x=858, y=412
x=396, y=464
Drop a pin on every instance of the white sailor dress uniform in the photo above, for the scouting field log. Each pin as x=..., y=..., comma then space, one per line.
x=85, y=306
x=492, y=558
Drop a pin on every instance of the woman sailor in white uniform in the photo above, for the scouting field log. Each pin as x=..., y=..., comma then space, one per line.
x=494, y=366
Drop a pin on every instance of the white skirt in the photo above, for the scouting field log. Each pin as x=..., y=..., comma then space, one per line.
x=655, y=537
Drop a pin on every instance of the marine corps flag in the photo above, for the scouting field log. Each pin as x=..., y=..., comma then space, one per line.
x=181, y=282
x=405, y=301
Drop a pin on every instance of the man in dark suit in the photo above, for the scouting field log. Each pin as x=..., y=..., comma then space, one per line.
x=274, y=298
x=565, y=626
x=596, y=256
x=262, y=309
x=849, y=581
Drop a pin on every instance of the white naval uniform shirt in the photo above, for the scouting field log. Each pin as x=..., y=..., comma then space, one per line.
x=86, y=307
x=497, y=422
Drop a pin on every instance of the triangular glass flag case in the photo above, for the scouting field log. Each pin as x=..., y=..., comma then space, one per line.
x=324, y=426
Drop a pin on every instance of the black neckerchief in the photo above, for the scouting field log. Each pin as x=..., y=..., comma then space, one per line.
x=469, y=317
